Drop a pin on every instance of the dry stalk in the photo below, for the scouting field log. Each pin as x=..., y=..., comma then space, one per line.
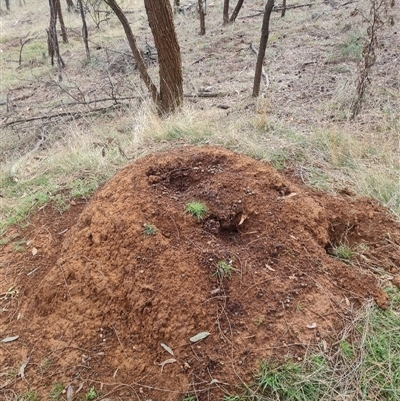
x=376, y=20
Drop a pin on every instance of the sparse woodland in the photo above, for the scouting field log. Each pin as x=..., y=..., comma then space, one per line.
x=279, y=120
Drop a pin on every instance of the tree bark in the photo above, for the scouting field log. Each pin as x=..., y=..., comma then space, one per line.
x=61, y=19
x=236, y=11
x=202, y=17
x=135, y=51
x=263, y=44
x=70, y=5
x=85, y=35
x=226, y=12
x=283, y=8
x=53, y=40
x=159, y=14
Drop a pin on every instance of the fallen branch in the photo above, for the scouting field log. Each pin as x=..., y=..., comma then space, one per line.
x=76, y=114
x=276, y=9
x=106, y=99
x=206, y=94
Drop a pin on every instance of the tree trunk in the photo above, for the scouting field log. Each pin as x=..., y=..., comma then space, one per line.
x=236, y=11
x=135, y=51
x=263, y=44
x=8, y=5
x=159, y=14
x=283, y=8
x=202, y=17
x=61, y=19
x=84, y=31
x=226, y=12
x=53, y=40
x=70, y=5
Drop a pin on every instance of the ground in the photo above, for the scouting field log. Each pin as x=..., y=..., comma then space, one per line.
x=101, y=295
x=110, y=292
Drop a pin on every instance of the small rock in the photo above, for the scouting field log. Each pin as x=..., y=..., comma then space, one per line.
x=396, y=281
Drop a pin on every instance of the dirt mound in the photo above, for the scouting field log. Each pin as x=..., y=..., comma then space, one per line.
x=136, y=271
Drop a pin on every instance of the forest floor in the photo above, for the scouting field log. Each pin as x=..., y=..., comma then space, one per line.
x=111, y=288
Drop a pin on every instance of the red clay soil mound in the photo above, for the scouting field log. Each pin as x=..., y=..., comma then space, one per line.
x=115, y=307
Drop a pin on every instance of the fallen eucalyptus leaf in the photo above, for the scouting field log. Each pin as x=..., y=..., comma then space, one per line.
x=22, y=369
x=34, y=251
x=168, y=349
x=162, y=364
x=242, y=219
x=200, y=336
x=9, y=339
x=312, y=325
x=70, y=393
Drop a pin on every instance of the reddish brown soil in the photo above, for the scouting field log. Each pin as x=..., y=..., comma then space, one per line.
x=96, y=301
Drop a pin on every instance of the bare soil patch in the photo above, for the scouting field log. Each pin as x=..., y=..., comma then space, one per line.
x=95, y=301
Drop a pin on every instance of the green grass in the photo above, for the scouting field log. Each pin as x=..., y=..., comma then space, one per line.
x=56, y=392
x=224, y=269
x=149, y=229
x=196, y=209
x=380, y=368
x=343, y=252
x=90, y=395
x=352, y=48
x=365, y=368
x=31, y=395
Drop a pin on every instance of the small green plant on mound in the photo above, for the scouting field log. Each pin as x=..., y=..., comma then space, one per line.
x=90, y=395
x=224, y=269
x=149, y=229
x=4, y=241
x=196, y=209
x=31, y=395
x=343, y=252
x=189, y=398
x=56, y=391
x=19, y=246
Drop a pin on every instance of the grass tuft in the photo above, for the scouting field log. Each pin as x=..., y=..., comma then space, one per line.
x=343, y=252
x=196, y=209
x=149, y=229
x=224, y=269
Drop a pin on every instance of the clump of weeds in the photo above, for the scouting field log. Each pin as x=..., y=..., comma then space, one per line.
x=224, y=269
x=196, y=209
x=343, y=252
x=149, y=230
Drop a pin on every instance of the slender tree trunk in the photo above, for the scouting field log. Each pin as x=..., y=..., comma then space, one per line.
x=226, y=12
x=50, y=48
x=70, y=5
x=61, y=19
x=202, y=17
x=85, y=35
x=263, y=44
x=53, y=40
x=283, y=8
x=159, y=14
x=135, y=51
x=236, y=11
